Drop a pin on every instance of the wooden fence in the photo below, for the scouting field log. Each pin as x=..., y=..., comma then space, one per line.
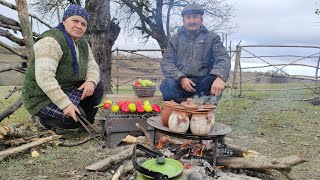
x=281, y=65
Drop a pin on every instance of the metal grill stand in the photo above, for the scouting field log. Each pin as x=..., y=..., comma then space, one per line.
x=116, y=126
x=218, y=131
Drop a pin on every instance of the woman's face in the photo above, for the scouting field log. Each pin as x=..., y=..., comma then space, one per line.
x=76, y=26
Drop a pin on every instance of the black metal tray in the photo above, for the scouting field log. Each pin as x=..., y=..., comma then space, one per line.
x=218, y=129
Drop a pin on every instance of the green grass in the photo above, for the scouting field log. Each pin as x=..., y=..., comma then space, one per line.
x=276, y=129
x=273, y=128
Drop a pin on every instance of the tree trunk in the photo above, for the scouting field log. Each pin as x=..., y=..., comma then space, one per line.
x=102, y=34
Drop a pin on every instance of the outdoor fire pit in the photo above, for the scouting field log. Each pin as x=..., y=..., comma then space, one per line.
x=218, y=130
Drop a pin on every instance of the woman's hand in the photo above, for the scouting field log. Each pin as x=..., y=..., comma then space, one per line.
x=70, y=111
x=88, y=89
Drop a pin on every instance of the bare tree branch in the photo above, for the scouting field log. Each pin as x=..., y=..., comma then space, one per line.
x=19, y=70
x=8, y=21
x=22, y=55
x=11, y=109
x=53, y=7
x=11, y=92
x=9, y=5
x=11, y=37
x=16, y=28
x=9, y=67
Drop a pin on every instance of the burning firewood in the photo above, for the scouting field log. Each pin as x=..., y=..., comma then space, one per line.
x=170, y=140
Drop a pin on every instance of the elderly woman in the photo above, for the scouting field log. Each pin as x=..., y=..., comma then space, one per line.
x=63, y=76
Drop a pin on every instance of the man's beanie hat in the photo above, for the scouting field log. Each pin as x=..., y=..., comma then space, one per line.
x=192, y=9
x=75, y=9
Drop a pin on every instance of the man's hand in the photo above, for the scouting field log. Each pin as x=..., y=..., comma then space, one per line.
x=187, y=84
x=88, y=89
x=70, y=111
x=217, y=86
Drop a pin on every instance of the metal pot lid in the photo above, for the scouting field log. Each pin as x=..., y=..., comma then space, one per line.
x=171, y=167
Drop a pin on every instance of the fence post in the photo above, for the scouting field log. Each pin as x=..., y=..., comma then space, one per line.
x=117, y=72
x=235, y=70
x=23, y=14
x=317, y=75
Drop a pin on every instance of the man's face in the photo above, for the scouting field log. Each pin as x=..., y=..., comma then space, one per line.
x=192, y=22
x=76, y=26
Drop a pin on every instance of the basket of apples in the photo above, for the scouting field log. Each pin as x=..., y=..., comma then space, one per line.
x=144, y=88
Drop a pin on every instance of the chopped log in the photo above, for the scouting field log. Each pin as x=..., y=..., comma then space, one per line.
x=11, y=151
x=123, y=169
x=106, y=163
x=261, y=162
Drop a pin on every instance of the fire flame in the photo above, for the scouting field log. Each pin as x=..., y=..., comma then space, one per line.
x=160, y=145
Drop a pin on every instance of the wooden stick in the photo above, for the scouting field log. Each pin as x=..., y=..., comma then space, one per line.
x=145, y=133
x=10, y=48
x=110, y=161
x=11, y=151
x=68, y=144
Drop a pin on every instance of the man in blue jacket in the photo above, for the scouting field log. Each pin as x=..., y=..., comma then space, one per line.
x=195, y=61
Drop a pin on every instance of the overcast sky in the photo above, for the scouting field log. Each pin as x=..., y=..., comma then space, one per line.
x=268, y=22
x=277, y=22
x=259, y=22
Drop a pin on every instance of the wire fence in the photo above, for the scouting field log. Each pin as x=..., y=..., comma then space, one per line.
x=290, y=72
